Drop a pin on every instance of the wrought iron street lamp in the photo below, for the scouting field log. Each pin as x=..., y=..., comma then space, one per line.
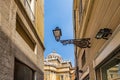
x=82, y=43
x=57, y=33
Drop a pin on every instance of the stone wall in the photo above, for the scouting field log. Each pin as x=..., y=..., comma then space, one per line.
x=12, y=46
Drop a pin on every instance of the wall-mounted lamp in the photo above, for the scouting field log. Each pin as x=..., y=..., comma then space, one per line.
x=103, y=33
x=82, y=43
x=80, y=71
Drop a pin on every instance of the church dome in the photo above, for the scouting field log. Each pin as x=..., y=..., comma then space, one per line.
x=54, y=55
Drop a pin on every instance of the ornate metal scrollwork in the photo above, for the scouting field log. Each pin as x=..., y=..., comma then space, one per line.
x=82, y=43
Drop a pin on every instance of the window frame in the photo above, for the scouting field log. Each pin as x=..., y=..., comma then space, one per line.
x=109, y=60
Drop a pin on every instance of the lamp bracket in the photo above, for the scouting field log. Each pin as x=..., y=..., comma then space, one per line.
x=82, y=43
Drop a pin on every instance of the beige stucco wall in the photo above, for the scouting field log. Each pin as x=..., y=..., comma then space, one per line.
x=96, y=15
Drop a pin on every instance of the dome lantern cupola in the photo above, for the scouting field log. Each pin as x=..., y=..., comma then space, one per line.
x=54, y=55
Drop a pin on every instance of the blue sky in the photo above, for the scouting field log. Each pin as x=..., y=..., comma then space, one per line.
x=59, y=13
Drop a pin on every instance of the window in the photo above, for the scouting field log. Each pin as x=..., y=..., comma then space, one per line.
x=30, y=8
x=61, y=77
x=81, y=6
x=22, y=32
x=111, y=71
x=83, y=59
x=80, y=10
x=22, y=72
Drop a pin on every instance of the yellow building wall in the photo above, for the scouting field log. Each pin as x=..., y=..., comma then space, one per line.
x=58, y=77
x=39, y=19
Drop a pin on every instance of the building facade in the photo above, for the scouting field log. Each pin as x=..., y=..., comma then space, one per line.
x=55, y=68
x=21, y=39
x=98, y=20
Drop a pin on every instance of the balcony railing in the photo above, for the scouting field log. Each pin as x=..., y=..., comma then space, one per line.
x=29, y=10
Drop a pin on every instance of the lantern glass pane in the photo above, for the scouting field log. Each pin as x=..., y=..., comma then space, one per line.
x=57, y=33
x=99, y=35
